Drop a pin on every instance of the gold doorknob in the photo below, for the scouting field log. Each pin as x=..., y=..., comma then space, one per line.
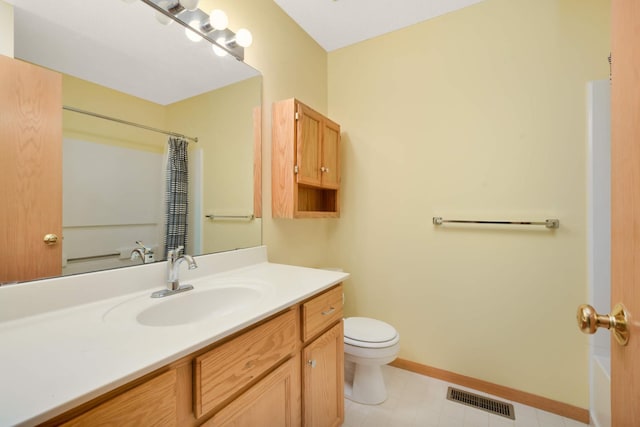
x=589, y=321
x=50, y=239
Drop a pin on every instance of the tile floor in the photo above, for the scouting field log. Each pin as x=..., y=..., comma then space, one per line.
x=418, y=401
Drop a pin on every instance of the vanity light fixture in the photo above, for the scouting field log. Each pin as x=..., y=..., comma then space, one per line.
x=163, y=19
x=198, y=25
x=218, y=51
x=192, y=35
x=190, y=4
x=218, y=19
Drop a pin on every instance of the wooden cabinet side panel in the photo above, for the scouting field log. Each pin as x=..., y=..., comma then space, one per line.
x=274, y=401
x=322, y=311
x=257, y=162
x=323, y=380
x=283, y=158
x=151, y=403
x=30, y=170
x=225, y=370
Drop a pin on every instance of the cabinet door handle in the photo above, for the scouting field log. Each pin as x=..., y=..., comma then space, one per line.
x=323, y=169
x=327, y=312
x=311, y=363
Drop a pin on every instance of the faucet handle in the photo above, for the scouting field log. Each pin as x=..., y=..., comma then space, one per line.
x=173, y=254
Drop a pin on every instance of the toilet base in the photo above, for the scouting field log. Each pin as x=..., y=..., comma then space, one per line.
x=365, y=384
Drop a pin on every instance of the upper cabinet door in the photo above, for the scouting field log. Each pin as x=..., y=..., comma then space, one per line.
x=330, y=169
x=30, y=171
x=309, y=146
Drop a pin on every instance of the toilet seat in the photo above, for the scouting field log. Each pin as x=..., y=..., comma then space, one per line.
x=369, y=333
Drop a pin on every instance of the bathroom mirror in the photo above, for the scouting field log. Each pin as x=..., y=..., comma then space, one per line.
x=118, y=60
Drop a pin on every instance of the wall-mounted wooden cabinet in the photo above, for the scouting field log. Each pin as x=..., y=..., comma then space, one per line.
x=305, y=162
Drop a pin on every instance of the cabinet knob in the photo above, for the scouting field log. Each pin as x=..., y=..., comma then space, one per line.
x=323, y=169
x=311, y=363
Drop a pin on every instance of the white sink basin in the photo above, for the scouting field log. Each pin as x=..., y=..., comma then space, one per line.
x=204, y=302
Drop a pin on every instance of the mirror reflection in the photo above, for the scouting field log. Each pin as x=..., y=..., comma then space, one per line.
x=115, y=175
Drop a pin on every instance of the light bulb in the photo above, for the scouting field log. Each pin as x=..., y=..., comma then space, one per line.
x=190, y=4
x=218, y=50
x=161, y=18
x=218, y=19
x=192, y=35
x=244, y=37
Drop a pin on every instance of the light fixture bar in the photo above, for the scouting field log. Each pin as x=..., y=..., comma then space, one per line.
x=233, y=49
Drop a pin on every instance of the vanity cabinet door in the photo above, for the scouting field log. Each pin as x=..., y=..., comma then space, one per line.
x=152, y=403
x=323, y=379
x=274, y=401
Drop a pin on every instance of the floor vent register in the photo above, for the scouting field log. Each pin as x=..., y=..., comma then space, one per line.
x=484, y=403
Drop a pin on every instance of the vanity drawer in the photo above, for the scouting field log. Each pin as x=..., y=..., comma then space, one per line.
x=226, y=369
x=151, y=403
x=321, y=312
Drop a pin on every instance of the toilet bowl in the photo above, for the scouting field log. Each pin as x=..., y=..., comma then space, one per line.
x=368, y=344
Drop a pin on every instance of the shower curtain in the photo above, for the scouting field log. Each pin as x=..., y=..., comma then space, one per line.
x=177, y=178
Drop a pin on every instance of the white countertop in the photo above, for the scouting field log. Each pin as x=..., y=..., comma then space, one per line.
x=54, y=360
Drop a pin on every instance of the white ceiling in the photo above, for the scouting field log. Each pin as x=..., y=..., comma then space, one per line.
x=339, y=23
x=121, y=46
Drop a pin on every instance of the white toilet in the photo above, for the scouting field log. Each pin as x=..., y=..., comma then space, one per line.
x=368, y=344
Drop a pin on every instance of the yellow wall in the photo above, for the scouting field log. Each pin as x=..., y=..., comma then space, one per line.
x=292, y=64
x=6, y=29
x=477, y=114
x=223, y=121
x=89, y=96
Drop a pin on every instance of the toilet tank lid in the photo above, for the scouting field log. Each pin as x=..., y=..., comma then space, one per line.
x=366, y=329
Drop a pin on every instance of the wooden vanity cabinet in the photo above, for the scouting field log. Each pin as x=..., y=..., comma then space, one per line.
x=323, y=360
x=285, y=371
x=305, y=169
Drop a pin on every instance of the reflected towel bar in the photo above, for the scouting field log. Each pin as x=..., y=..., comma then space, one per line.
x=214, y=217
x=94, y=257
x=549, y=223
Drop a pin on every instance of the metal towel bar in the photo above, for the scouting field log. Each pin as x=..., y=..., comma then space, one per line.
x=214, y=217
x=549, y=223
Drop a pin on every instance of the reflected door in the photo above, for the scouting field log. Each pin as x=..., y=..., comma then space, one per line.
x=30, y=171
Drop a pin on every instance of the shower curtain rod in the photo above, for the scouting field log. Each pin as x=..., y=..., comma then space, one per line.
x=124, y=122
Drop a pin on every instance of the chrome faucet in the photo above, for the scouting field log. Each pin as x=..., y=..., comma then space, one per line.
x=143, y=252
x=174, y=259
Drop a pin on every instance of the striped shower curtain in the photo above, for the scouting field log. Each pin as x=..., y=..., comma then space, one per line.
x=177, y=200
